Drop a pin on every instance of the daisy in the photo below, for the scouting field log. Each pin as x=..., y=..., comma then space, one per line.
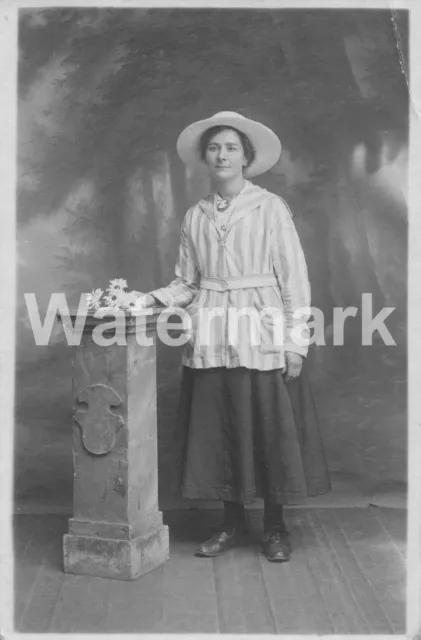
x=93, y=299
x=117, y=283
x=114, y=297
x=130, y=300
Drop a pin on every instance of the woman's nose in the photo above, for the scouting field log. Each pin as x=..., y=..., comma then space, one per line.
x=221, y=154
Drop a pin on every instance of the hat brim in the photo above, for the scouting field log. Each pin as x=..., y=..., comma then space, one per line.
x=265, y=142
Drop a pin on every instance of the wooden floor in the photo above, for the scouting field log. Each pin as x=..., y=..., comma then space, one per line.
x=346, y=575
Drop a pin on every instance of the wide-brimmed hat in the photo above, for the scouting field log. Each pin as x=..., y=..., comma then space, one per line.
x=265, y=142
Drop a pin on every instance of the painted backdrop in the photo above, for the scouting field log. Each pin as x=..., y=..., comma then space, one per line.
x=103, y=95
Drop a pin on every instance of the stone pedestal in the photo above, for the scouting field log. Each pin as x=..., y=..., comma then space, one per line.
x=116, y=530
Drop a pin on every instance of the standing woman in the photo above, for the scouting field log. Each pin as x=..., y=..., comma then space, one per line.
x=251, y=425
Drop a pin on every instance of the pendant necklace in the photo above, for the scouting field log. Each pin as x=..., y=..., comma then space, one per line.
x=222, y=206
x=224, y=226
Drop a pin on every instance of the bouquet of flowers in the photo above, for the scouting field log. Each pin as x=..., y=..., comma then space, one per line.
x=116, y=296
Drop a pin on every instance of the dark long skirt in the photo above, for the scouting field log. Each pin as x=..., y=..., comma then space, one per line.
x=249, y=434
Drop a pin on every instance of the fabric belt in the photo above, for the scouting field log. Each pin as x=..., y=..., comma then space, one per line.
x=239, y=282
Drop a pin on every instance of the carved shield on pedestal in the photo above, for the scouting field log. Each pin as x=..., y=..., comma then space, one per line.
x=93, y=413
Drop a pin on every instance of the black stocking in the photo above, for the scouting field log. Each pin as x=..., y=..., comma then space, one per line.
x=234, y=513
x=273, y=515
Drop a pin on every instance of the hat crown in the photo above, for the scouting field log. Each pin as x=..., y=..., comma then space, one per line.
x=228, y=114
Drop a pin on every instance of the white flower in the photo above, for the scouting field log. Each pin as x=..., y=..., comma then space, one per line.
x=130, y=300
x=117, y=284
x=140, y=303
x=115, y=298
x=93, y=299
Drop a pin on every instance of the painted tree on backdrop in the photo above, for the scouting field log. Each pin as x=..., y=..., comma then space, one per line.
x=126, y=81
x=103, y=95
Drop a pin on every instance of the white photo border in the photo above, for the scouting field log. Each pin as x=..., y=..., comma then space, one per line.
x=9, y=10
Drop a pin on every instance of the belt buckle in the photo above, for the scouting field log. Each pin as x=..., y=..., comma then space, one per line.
x=224, y=285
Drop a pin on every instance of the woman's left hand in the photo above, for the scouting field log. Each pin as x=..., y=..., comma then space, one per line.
x=294, y=364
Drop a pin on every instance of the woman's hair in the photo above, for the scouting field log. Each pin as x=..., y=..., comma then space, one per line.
x=248, y=149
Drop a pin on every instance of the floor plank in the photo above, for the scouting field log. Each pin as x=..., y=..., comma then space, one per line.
x=39, y=539
x=243, y=605
x=346, y=575
x=380, y=562
x=38, y=614
x=394, y=522
x=136, y=605
x=323, y=565
x=81, y=605
x=293, y=593
x=373, y=617
x=189, y=591
x=45, y=589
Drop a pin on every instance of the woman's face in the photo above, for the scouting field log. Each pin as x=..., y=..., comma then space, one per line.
x=225, y=155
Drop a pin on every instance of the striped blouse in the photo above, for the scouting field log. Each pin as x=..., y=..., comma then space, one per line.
x=253, y=326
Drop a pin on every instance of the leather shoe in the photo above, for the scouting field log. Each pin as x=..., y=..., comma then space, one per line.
x=276, y=545
x=220, y=542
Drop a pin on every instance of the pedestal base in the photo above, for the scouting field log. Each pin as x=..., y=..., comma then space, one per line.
x=116, y=559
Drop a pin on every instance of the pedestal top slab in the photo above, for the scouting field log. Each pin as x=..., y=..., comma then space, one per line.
x=145, y=319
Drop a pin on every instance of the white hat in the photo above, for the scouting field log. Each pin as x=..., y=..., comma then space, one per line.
x=265, y=142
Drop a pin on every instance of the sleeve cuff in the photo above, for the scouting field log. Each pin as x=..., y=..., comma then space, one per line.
x=302, y=351
x=164, y=298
